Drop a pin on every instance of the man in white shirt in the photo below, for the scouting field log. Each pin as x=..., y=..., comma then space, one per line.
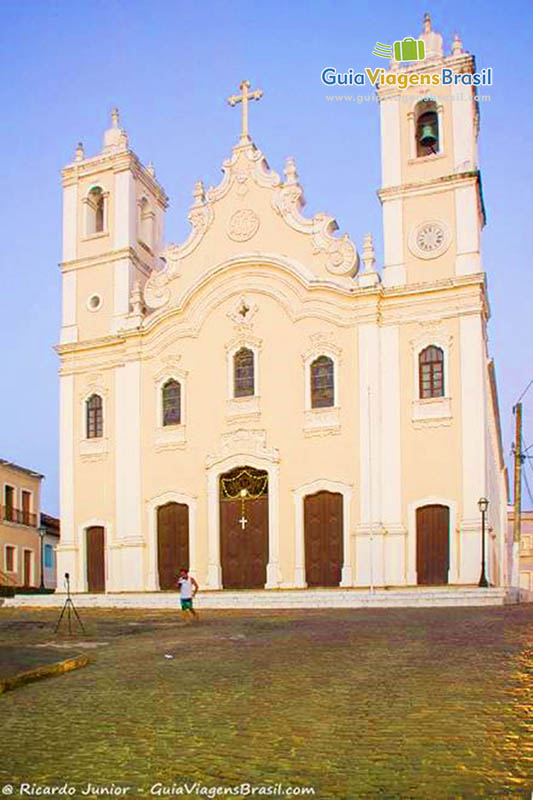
x=188, y=588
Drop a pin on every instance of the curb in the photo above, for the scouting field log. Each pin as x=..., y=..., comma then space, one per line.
x=47, y=671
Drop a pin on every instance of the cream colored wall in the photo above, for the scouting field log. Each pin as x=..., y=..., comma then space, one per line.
x=95, y=279
x=94, y=477
x=436, y=205
x=431, y=452
x=281, y=382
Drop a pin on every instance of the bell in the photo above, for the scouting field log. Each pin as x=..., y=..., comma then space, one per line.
x=428, y=137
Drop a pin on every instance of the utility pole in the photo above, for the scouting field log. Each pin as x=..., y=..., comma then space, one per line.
x=518, y=458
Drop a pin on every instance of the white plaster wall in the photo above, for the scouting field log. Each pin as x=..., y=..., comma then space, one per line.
x=127, y=561
x=474, y=452
x=66, y=552
x=70, y=213
x=393, y=243
x=467, y=231
x=391, y=174
x=390, y=425
x=125, y=207
x=463, y=130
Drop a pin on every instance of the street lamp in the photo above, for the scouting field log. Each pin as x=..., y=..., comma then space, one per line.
x=42, y=533
x=483, y=504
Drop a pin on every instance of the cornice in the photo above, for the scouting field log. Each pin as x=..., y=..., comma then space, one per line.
x=429, y=186
x=102, y=342
x=117, y=162
x=449, y=298
x=106, y=258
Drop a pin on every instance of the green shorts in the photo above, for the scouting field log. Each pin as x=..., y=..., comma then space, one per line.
x=186, y=605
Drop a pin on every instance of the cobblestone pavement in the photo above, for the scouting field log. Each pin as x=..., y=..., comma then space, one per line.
x=430, y=704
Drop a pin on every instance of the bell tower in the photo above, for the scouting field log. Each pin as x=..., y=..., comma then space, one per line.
x=431, y=187
x=113, y=219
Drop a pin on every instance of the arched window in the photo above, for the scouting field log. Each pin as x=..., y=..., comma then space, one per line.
x=431, y=372
x=171, y=403
x=243, y=373
x=95, y=417
x=95, y=211
x=427, y=128
x=322, y=382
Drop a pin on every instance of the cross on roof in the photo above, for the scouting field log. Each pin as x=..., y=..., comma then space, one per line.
x=244, y=98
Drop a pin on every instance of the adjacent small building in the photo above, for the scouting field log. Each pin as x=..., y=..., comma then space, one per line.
x=20, y=524
x=50, y=529
x=526, y=549
x=19, y=515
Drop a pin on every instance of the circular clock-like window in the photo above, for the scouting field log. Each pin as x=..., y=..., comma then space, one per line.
x=430, y=239
x=94, y=302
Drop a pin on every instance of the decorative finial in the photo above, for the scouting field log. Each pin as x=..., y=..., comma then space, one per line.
x=136, y=298
x=290, y=170
x=198, y=193
x=244, y=98
x=115, y=137
x=151, y=169
x=369, y=254
x=432, y=40
x=457, y=45
x=80, y=152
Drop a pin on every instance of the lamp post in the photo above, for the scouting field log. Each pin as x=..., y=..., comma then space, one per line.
x=483, y=504
x=42, y=532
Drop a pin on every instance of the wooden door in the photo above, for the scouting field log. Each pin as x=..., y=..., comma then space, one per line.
x=244, y=551
x=432, y=545
x=323, y=526
x=27, y=568
x=95, y=559
x=26, y=508
x=172, y=542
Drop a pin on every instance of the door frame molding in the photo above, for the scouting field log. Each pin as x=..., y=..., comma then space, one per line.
x=188, y=500
x=271, y=466
x=33, y=576
x=431, y=500
x=299, y=495
x=83, y=581
x=84, y=578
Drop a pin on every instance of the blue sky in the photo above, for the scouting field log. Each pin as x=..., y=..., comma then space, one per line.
x=169, y=66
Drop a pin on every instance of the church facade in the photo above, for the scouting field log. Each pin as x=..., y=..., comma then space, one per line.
x=260, y=403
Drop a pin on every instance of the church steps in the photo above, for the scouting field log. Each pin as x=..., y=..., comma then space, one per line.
x=285, y=599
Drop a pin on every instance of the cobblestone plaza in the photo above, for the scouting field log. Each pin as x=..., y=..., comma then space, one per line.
x=352, y=704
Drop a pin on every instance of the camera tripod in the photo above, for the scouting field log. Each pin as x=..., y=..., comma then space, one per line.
x=69, y=607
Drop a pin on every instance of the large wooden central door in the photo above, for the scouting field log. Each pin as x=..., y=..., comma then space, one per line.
x=244, y=539
x=323, y=525
x=95, y=559
x=172, y=542
x=432, y=545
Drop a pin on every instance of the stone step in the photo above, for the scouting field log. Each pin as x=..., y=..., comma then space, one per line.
x=284, y=599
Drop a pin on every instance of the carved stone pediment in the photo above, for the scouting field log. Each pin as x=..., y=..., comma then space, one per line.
x=243, y=442
x=240, y=221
